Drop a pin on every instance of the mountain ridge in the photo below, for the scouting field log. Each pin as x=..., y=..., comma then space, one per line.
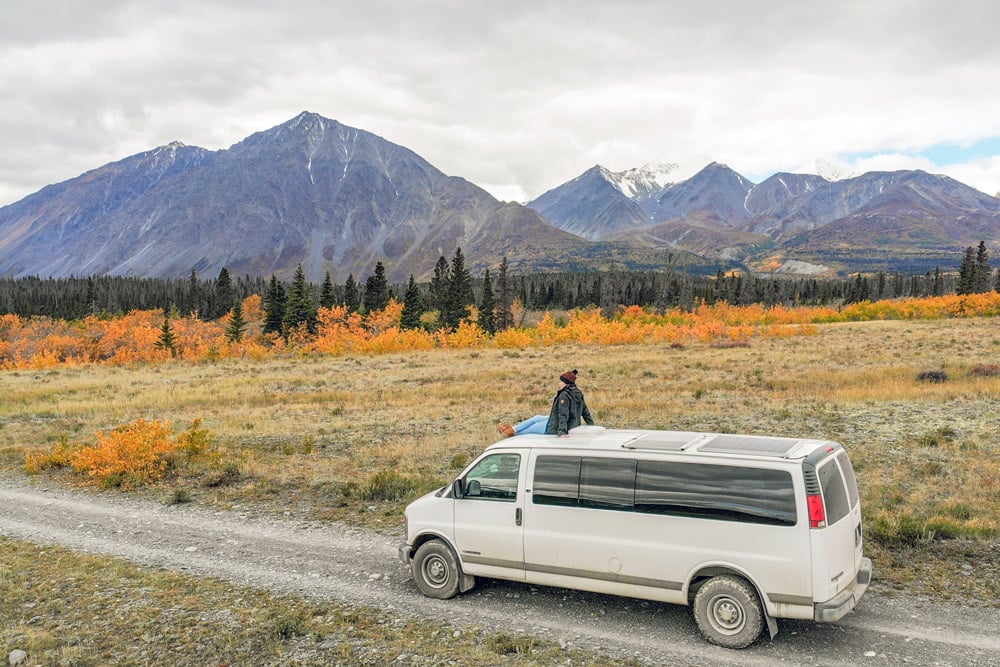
x=333, y=198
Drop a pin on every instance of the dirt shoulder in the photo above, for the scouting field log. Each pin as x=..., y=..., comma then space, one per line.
x=357, y=567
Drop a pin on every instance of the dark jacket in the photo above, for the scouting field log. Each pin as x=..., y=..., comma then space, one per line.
x=568, y=408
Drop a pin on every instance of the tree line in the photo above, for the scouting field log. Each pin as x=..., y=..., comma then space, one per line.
x=448, y=298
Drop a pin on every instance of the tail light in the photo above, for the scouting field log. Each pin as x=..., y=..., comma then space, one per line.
x=814, y=499
x=817, y=511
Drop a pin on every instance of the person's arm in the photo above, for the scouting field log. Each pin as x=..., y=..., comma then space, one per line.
x=586, y=414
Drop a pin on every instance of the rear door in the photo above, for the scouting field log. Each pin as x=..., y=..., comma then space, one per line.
x=488, y=533
x=837, y=546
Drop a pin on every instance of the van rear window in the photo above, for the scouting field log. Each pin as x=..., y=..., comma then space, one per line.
x=728, y=493
x=834, y=493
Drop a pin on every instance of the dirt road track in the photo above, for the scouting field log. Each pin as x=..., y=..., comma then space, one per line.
x=333, y=562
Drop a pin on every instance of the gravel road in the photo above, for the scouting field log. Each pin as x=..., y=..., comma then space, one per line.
x=334, y=562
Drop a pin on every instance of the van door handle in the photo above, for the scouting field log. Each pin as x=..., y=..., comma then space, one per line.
x=517, y=516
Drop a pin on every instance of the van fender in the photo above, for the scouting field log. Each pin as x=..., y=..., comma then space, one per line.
x=705, y=571
x=467, y=581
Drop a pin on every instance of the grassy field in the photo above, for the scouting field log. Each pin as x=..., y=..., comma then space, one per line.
x=353, y=439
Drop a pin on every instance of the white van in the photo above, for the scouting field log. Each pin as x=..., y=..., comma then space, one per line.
x=747, y=529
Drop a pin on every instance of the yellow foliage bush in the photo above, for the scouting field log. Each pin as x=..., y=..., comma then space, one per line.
x=130, y=455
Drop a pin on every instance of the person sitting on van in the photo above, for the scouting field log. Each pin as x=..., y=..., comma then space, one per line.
x=568, y=409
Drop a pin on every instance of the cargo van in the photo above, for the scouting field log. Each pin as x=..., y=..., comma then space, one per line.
x=744, y=529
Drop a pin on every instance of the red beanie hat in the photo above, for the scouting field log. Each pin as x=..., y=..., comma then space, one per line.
x=569, y=377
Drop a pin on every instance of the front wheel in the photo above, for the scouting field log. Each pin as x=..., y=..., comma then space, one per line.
x=435, y=570
x=728, y=612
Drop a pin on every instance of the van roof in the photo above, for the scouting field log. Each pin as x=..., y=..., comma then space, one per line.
x=599, y=438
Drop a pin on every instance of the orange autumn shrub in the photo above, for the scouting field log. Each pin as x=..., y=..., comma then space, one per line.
x=130, y=455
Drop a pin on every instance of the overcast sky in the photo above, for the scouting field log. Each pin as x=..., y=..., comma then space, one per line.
x=517, y=97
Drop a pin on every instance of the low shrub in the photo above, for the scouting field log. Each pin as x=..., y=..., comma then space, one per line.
x=130, y=455
x=985, y=370
x=932, y=376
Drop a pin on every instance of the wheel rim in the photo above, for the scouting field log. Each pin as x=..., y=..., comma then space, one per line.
x=726, y=614
x=436, y=571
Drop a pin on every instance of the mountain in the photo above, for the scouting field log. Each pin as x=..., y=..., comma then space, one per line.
x=309, y=191
x=904, y=220
x=315, y=192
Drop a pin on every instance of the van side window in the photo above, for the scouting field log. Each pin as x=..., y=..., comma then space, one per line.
x=607, y=483
x=727, y=493
x=494, y=478
x=834, y=494
x=557, y=480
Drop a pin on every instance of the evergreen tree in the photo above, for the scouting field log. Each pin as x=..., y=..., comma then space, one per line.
x=439, y=286
x=167, y=340
x=487, y=316
x=326, y=295
x=459, y=295
x=300, y=308
x=274, y=307
x=937, y=288
x=237, y=324
x=412, y=307
x=982, y=274
x=352, y=297
x=967, y=272
x=192, y=302
x=505, y=299
x=222, y=299
x=376, y=290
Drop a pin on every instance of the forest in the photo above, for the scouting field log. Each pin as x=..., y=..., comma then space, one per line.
x=209, y=298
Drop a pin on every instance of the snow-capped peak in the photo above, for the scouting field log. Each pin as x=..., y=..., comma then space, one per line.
x=649, y=178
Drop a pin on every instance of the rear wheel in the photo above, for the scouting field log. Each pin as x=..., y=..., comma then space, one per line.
x=436, y=571
x=728, y=612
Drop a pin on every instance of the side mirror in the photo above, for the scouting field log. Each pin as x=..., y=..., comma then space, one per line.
x=457, y=488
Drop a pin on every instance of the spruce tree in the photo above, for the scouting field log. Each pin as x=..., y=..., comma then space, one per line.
x=274, y=307
x=412, y=307
x=352, y=297
x=459, y=295
x=967, y=272
x=167, y=340
x=327, y=299
x=192, y=302
x=237, y=324
x=505, y=300
x=376, y=290
x=222, y=298
x=439, y=286
x=982, y=274
x=487, y=315
x=300, y=308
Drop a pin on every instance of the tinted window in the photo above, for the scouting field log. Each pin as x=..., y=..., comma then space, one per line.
x=494, y=478
x=852, y=482
x=607, y=483
x=557, y=480
x=834, y=494
x=727, y=493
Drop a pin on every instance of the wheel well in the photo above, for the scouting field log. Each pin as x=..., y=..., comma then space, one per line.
x=704, y=575
x=425, y=538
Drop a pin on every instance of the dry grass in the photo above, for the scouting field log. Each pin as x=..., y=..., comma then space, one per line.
x=313, y=433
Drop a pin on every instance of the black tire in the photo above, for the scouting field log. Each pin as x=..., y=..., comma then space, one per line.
x=436, y=571
x=728, y=612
